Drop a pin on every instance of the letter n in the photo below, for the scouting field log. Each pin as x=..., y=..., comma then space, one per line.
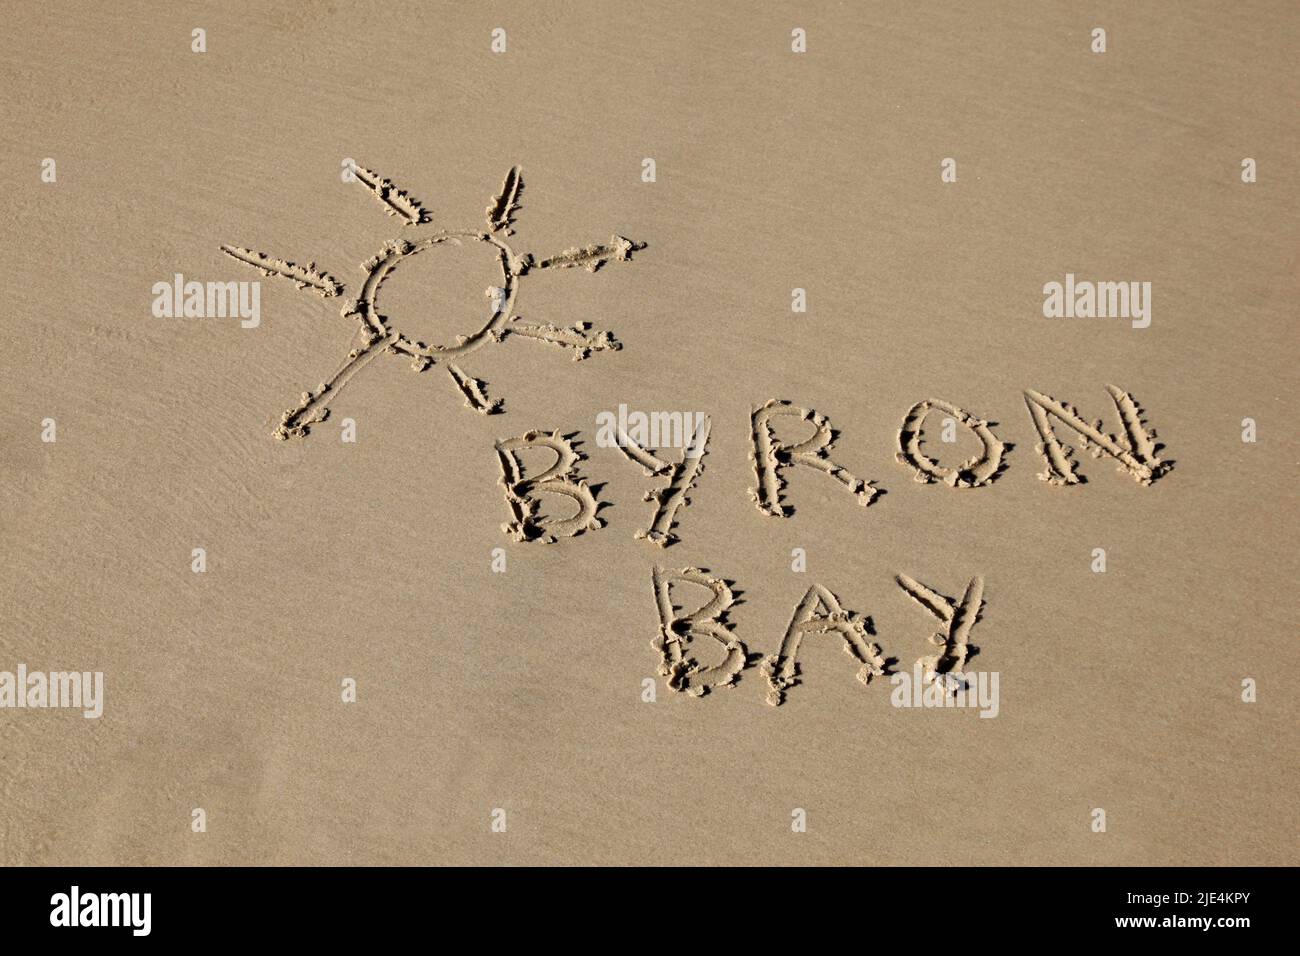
x=1135, y=449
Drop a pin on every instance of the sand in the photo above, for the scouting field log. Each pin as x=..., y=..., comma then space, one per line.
x=505, y=716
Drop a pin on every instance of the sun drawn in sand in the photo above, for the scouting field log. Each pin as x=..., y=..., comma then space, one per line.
x=377, y=329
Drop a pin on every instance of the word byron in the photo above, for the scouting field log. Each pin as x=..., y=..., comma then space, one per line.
x=1132, y=447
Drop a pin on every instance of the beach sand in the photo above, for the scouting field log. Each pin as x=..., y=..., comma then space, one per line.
x=519, y=697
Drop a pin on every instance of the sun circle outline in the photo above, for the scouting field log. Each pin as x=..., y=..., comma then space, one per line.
x=379, y=268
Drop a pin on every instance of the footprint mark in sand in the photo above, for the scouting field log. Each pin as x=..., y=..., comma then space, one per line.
x=560, y=478
x=770, y=456
x=679, y=631
x=379, y=333
x=958, y=618
x=820, y=613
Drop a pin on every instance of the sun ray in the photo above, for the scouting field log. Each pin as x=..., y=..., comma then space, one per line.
x=314, y=406
x=397, y=202
x=476, y=397
x=501, y=214
x=592, y=257
x=380, y=334
x=580, y=338
x=306, y=277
